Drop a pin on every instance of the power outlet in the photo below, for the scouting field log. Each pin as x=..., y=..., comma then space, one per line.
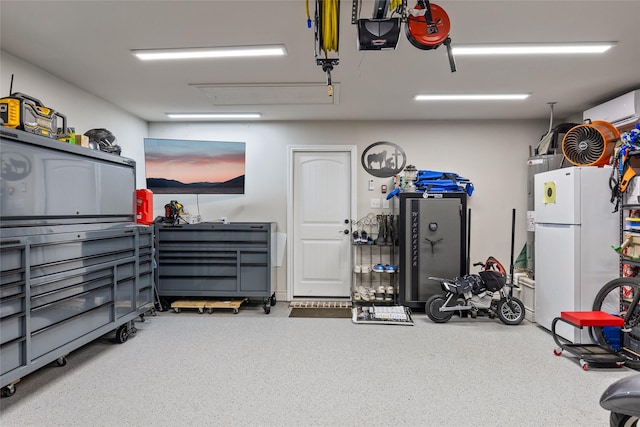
x=375, y=203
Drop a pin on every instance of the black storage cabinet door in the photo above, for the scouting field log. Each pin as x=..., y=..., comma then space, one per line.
x=433, y=236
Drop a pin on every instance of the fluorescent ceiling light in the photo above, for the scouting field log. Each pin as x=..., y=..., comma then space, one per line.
x=473, y=97
x=210, y=52
x=214, y=116
x=532, y=49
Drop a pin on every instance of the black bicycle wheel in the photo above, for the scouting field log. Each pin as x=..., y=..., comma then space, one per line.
x=620, y=298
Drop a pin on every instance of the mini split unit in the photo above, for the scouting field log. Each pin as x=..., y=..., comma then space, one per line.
x=619, y=111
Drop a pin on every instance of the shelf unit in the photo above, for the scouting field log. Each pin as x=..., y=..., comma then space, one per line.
x=375, y=261
x=628, y=203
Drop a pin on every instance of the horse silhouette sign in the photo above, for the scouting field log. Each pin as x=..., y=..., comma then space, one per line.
x=383, y=159
x=15, y=166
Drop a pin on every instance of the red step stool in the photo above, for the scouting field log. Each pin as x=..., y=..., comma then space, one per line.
x=589, y=354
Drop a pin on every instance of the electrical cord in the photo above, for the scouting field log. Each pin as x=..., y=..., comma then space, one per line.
x=329, y=18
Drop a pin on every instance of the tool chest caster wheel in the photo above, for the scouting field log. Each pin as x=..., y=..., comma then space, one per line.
x=9, y=390
x=557, y=351
x=584, y=365
x=61, y=361
x=122, y=334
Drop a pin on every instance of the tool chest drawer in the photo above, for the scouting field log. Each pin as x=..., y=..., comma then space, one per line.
x=58, y=286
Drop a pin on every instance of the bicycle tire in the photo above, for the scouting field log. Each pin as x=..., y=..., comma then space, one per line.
x=608, y=300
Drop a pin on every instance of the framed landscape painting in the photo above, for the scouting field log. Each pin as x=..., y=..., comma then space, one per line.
x=175, y=166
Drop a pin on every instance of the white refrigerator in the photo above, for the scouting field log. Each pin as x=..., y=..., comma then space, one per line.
x=575, y=228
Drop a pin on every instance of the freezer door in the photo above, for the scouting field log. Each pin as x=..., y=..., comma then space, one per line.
x=557, y=275
x=596, y=207
x=557, y=196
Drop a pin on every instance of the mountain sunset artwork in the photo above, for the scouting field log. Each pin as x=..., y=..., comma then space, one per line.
x=194, y=167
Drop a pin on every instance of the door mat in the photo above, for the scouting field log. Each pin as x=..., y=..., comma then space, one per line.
x=336, y=313
x=320, y=304
x=395, y=315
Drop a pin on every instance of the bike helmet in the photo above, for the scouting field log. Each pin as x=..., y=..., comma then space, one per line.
x=103, y=140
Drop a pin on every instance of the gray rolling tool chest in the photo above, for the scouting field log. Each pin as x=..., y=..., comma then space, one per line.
x=73, y=263
x=216, y=260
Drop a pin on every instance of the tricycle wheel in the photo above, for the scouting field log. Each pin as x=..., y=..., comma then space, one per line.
x=432, y=308
x=509, y=315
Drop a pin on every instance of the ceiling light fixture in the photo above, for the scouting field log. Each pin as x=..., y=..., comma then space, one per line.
x=532, y=48
x=209, y=52
x=473, y=97
x=214, y=116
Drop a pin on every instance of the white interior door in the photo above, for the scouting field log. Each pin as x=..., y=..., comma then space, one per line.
x=320, y=206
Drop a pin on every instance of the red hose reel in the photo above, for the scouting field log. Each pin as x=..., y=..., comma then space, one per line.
x=428, y=27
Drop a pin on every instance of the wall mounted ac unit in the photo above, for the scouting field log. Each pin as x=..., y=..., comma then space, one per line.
x=619, y=111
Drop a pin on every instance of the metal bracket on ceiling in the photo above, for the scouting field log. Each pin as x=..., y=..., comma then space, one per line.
x=354, y=11
x=379, y=10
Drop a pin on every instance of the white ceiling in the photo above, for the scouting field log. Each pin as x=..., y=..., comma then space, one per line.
x=87, y=43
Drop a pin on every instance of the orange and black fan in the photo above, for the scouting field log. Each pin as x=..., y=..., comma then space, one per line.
x=590, y=144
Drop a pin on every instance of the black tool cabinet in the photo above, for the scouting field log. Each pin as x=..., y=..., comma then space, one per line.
x=216, y=260
x=73, y=263
x=433, y=234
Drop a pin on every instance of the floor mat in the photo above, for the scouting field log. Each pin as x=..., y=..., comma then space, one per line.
x=320, y=304
x=340, y=313
x=392, y=315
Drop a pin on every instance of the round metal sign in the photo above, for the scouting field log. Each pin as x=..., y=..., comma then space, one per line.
x=383, y=159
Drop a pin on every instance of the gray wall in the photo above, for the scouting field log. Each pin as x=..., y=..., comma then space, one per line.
x=492, y=154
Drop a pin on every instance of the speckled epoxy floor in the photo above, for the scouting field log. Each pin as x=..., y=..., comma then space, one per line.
x=253, y=369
